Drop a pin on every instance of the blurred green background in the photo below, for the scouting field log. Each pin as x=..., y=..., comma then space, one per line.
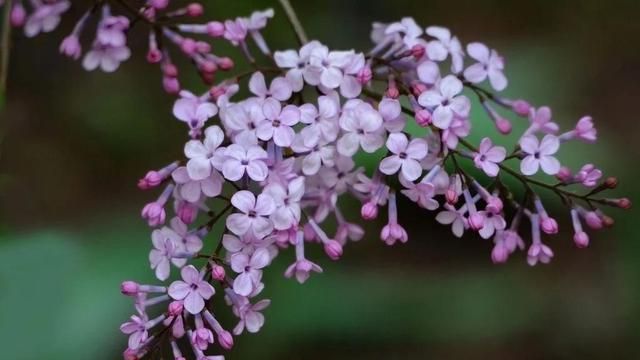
x=76, y=143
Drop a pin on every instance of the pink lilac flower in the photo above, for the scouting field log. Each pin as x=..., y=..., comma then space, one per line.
x=539, y=154
x=192, y=190
x=406, y=156
x=106, y=57
x=453, y=217
x=249, y=270
x=137, y=330
x=351, y=85
x=321, y=122
x=588, y=175
x=254, y=216
x=278, y=123
x=540, y=121
x=492, y=222
x=296, y=62
x=391, y=112
x=194, y=111
x=446, y=101
x=444, y=45
x=192, y=290
x=360, y=123
x=45, y=17
x=235, y=31
x=459, y=128
x=248, y=159
x=538, y=252
x=490, y=65
x=423, y=192
x=250, y=315
x=488, y=157
x=287, y=202
x=279, y=88
x=166, y=246
x=302, y=267
x=318, y=154
x=204, y=156
x=393, y=232
x=326, y=67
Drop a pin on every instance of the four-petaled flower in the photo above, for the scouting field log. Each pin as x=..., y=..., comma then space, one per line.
x=488, y=157
x=406, y=156
x=445, y=101
x=539, y=154
x=489, y=64
x=192, y=290
x=254, y=216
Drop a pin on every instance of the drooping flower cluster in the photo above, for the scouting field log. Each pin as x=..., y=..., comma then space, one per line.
x=269, y=170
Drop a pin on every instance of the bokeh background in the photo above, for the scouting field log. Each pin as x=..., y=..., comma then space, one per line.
x=76, y=143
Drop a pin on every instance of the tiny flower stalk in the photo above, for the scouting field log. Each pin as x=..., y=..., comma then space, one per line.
x=393, y=232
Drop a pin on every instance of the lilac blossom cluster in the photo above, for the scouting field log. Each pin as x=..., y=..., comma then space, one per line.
x=268, y=171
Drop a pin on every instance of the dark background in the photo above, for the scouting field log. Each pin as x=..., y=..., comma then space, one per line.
x=76, y=143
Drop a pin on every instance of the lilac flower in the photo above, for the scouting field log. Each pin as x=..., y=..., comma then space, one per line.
x=423, y=192
x=540, y=120
x=321, y=123
x=249, y=270
x=71, y=47
x=319, y=153
x=166, y=244
x=279, y=88
x=296, y=62
x=588, y=175
x=45, y=17
x=391, y=112
x=326, y=67
x=249, y=314
x=361, y=124
x=106, y=57
x=455, y=218
x=489, y=64
x=245, y=159
x=204, y=156
x=192, y=190
x=194, y=111
x=446, y=102
x=278, y=123
x=111, y=31
x=445, y=45
x=137, y=330
x=406, y=156
x=254, y=216
x=302, y=267
x=351, y=86
x=492, y=222
x=235, y=31
x=287, y=202
x=488, y=157
x=459, y=128
x=539, y=154
x=193, y=290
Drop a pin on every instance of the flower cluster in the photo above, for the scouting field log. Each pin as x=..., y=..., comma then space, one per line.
x=269, y=170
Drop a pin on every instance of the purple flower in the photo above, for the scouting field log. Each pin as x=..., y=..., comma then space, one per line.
x=489, y=64
x=254, y=214
x=193, y=290
x=539, y=154
x=406, y=156
x=45, y=17
x=488, y=157
x=445, y=101
x=249, y=270
x=287, y=202
x=194, y=111
x=278, y=123
x=360, y=123
x=279, y=88
x=247, y=159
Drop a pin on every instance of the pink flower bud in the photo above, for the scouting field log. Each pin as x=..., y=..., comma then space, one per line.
x=217, y=91
x=187, y=212
x=154, y=213
x=624, y=203
x=217, y=272
x=476, y=221
x=175, y=308
x=208, y=67
x=369, y=210
x=130, y=354
x=451, y=196
x=392, y=92
x=549, y=225
x=195, y=10
x=159, y=4
x=564, y=174
x=521, y=107
x=309, y=232
x=225, y=64
x=215, y=29
x=418, y=88
x=171, y=85
x=154, y=56
x=593, y=220
x=503, y=125
x=70, y=47
x=423, y=118
x=151, y=180
x=418, y=51
x=170, y=70
x=500, y=253
x=365, y=75
x=611, y=182
x=225, y=339
x=203, y=47
x=129, y=288
x=333, y=249
x=188, y=46
x=18, y=14
x=494, y=204
x=581, y=239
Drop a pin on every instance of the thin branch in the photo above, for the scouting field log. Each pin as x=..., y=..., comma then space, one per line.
x=294, y=21
x=5, y=44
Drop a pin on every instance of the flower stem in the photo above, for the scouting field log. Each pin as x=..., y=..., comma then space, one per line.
x=5, y=44
x=294, y=21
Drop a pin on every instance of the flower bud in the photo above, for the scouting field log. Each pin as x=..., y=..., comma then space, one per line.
x=150, y=180
x=549, y=225
x=217, y=272
x=129, y=288
x=225, y=339
x=417, y=88
x=18, y=14
x=225, y=63
x=503, y=125
x=476, y=221
x=171, y=85
x=611, y=182
x=392, y=92
x=71, y=47
x=452, y=196
x=188, y=46
x=159, y=4
x=369, y=210
x=418, y=51
x=593, y=220
x=187, y=212
x=333, y=249
x=607, y=221
x=170, y=70
x=624, y=203
x=521, y=107
x=215, y=29
x=500, y=253
x=564, y=174
x=175, y=308
x=581, y=239
x=154, y=56
x=130, y=354
x=423, y=118
x=154, y=213
x=195, y=10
